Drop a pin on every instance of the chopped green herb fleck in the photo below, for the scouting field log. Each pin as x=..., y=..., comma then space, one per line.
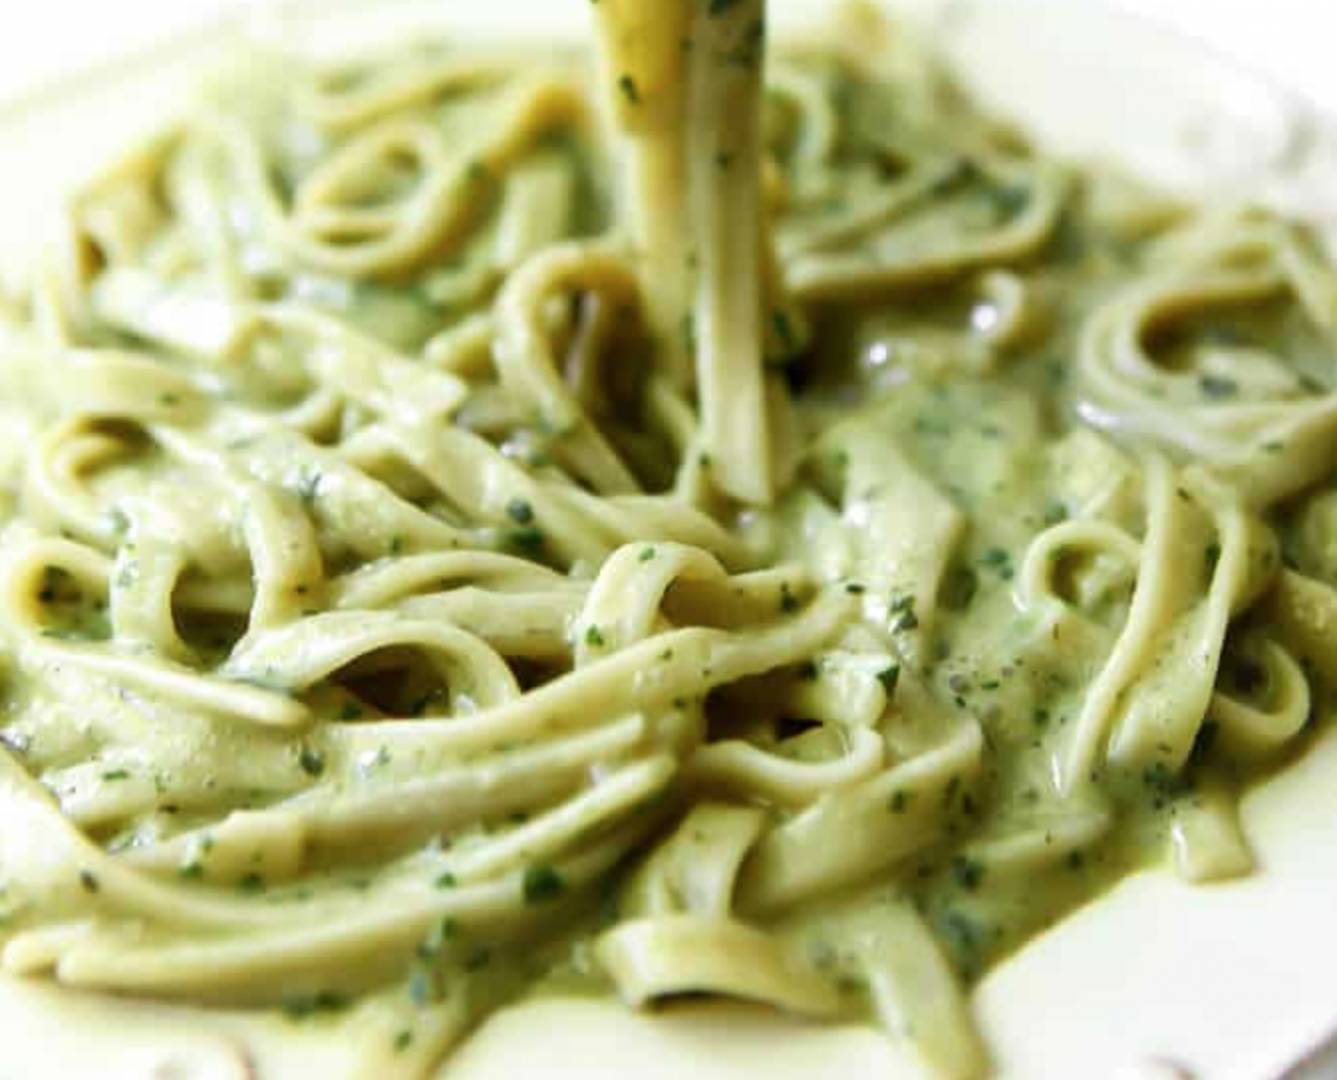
x=967, y=872
x=1008, y=200
x=1217, y=387
x=300, y=1006
x=594, y=637
x=520, y=511
x=629, y=89
x=527, y=540
x=1163, y=783
x=962, y=936
x=541, y=883
x=904, y=610
x=1055, y=512
x=998, y=560
x=311, y=761
x=436, y=939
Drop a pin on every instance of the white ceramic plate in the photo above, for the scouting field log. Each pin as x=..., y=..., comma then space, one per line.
x=1235, y=981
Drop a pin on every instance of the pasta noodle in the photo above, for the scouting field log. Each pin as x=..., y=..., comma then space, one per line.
x=711, y=520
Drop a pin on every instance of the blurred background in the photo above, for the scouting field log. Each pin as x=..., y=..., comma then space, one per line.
x=55, y=36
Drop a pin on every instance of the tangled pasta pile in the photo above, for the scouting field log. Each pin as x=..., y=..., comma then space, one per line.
x=472, y=523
